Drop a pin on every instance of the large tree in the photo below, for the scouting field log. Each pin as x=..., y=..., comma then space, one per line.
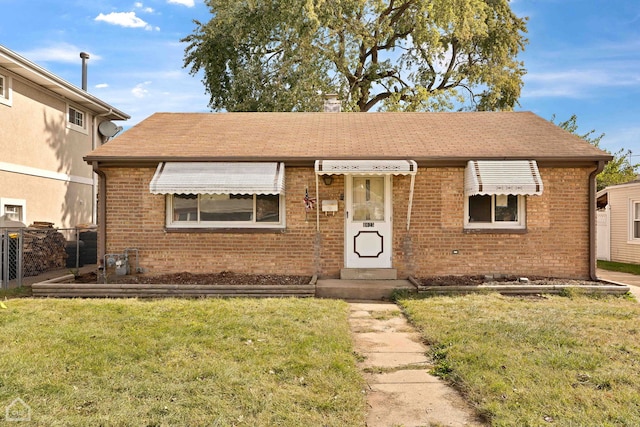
x=394, y=55
x=619, y=170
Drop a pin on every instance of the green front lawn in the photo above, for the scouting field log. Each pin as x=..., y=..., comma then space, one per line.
x=554, y=361
x=214, y=362
x=619, y=266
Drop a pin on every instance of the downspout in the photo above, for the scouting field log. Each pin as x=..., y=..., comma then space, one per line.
x=411, y=188
x=592, y=220
x=317, y=207
x=102, y=214
x=94, y=133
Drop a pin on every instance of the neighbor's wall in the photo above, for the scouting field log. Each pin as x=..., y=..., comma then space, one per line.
x=556, y=241
x=136, y=219
x=623, y=248
x=42, y=159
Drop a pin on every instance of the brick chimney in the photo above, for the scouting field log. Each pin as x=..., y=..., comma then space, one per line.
x=332, y=104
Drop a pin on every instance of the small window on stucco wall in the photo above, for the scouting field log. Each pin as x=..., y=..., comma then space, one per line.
x=76, y=119
x=5, y=90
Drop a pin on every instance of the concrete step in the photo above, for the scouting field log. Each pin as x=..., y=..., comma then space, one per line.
x=365, y=290
x=368, y=274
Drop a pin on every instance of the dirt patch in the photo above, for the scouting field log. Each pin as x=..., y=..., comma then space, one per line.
x=185, y=278
x=503, y=280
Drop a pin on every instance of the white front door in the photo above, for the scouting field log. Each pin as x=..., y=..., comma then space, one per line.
x=368, y=221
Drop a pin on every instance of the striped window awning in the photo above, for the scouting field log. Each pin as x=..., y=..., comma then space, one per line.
x=517, y=177
x=366, y=167
x=218, y=178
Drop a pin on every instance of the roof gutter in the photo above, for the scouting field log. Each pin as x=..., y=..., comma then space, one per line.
x=310, y=160
x=48, y=80
x=592, y=220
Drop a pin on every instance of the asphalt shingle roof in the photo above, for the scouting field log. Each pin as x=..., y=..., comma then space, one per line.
x=309, y=136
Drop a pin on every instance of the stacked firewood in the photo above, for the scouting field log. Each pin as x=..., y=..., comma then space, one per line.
x=44, y=249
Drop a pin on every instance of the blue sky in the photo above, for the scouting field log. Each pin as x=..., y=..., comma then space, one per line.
x=583, y=56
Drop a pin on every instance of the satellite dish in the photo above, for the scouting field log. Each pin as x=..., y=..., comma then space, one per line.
x=109, y=128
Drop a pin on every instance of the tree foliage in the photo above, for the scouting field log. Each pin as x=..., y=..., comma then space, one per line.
x=617, y=171
x=394, y=55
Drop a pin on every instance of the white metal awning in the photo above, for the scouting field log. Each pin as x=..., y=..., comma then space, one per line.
x=218, y=178
x=517, y=177
x=366, y=167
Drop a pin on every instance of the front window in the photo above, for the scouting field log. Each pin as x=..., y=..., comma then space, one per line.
x=635, y=220
x=225, y=210
x=495, y=211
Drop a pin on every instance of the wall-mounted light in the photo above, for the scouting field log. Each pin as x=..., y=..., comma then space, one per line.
x=328, y=179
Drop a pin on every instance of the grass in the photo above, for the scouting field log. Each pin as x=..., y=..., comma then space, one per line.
x=531, y=362
x=214, y=362
x=619, y=266
x=19, y=292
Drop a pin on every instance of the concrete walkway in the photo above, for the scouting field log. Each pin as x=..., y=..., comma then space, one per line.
x=400, y=389
x=631, y=280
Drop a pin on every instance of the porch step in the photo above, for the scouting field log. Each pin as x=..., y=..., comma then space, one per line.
x=369, y=274
x=360, y=289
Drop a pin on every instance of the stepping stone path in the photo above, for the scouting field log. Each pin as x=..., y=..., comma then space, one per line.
x=401, y=392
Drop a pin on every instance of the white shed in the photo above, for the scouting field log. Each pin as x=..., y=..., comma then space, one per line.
x=618, y=229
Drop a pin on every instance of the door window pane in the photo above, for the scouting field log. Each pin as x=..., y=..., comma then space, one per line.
x=368, y=199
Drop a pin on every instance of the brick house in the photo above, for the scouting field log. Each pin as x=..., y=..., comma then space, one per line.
x=422, y=194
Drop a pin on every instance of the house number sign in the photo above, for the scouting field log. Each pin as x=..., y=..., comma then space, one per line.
x=367, y=224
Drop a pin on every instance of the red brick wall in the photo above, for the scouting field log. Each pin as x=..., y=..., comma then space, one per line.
x=556, y=242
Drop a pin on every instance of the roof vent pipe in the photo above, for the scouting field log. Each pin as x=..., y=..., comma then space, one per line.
x=84, y=56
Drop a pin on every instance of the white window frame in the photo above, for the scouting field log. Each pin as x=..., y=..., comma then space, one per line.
x=6, y=91
x=5, y=201
x=171, y=224
x=520, y=224
x=74, y=126
x=632, y=220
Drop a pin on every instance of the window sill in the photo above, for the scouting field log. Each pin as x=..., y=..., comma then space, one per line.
x=274, y=230
x=494, y=230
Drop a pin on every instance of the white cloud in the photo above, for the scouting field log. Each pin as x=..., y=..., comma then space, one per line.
x=102, y=85
x=125, y=19
x=188, y=3
x=139, y=5
x=579, y=83
x=140, y=91
x=60, y=52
